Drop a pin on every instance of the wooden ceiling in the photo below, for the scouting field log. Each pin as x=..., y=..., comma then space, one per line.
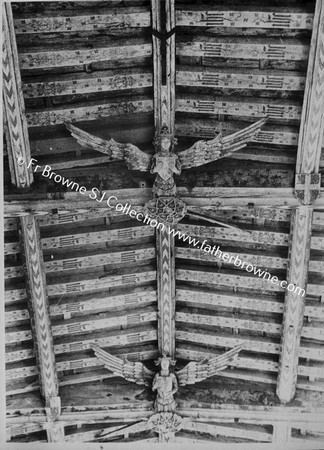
x=77, y=273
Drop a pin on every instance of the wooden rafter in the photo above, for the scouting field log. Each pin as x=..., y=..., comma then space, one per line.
x=14, y=106
x=164, y=109
x=307, y=184
x=38, y=306
x=299, y=252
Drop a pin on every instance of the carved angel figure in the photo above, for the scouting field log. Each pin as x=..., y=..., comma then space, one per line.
x=165, y=383
x=165, y=163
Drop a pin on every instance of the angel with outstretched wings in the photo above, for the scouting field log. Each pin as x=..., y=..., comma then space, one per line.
x=165, y=382
x=202, y=152
x=165, y=207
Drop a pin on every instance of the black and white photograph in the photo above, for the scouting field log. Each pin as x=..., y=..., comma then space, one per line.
x=163, y=225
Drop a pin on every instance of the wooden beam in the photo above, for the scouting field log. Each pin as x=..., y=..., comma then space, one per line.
x=240, y=79
x=208, y=128
x=89, y=111
x=157, y=62
x=252, y=48
x=251, y=107
x=38, y=305
x=199, y=197
x=113, y=19
x=170, y=63
x=166, y=292
x=269, y=18
x=14, y=106
x=308, y=180
x=164, y=109
x=41, y=60
x=299, y=251
x=103, y=81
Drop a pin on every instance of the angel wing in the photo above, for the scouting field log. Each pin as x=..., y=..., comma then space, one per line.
x=131, y=371
x=134, y=157
x=203, y=152
x=194, y=372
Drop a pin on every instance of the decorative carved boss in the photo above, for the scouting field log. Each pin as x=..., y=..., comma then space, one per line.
x=165, y=207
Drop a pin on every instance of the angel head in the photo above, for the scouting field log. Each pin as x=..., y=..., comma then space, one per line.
x=165, y=362
x=164, y=141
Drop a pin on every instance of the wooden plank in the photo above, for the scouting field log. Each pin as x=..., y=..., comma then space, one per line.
x=80, y=23
x=14, y=316
x=299, y=251
x=11, y=248
x=92, y=285
x=239, y=18
x=90, y=326
x=87, y=112
x=237, y=79
x=18, y=336
x=166, y=291
x=110, y=341
x=204, y=299
x=229, y=431
x=227, y=280
x=229, y=322
x=312, y=120
x=207, y=128
x=225, y=197
x=251, y=49
x=13, y=295
x=268, y=414
x=250, y=215
x=124, y=257
x=195, y=254
x=97, y=237
x=197, y=197
x=312, y=332
x=65, y=58
x=256, y=108
x=13, y=272
x=14, y=106
x=105, y=303
x=86, y=84
x=251, y=343
x=222, y=233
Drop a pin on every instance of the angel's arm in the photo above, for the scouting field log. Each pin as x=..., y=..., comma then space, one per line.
x=134, y=158
x=203, y=152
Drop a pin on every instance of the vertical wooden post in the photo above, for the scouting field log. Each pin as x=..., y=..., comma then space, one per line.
x=307, y=184
x=14, y=105
x=166, y=291
x=170, y=63
x=157, y=62
x=38, y=306
x=299, y=251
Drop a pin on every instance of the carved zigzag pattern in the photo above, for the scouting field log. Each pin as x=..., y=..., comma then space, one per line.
x=40, y=313
x=294, y=306
x=313, y=138
x=166, y=296
x=13, y=116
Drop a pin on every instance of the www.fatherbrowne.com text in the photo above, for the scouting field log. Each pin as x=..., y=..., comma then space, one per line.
x=112, y=202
